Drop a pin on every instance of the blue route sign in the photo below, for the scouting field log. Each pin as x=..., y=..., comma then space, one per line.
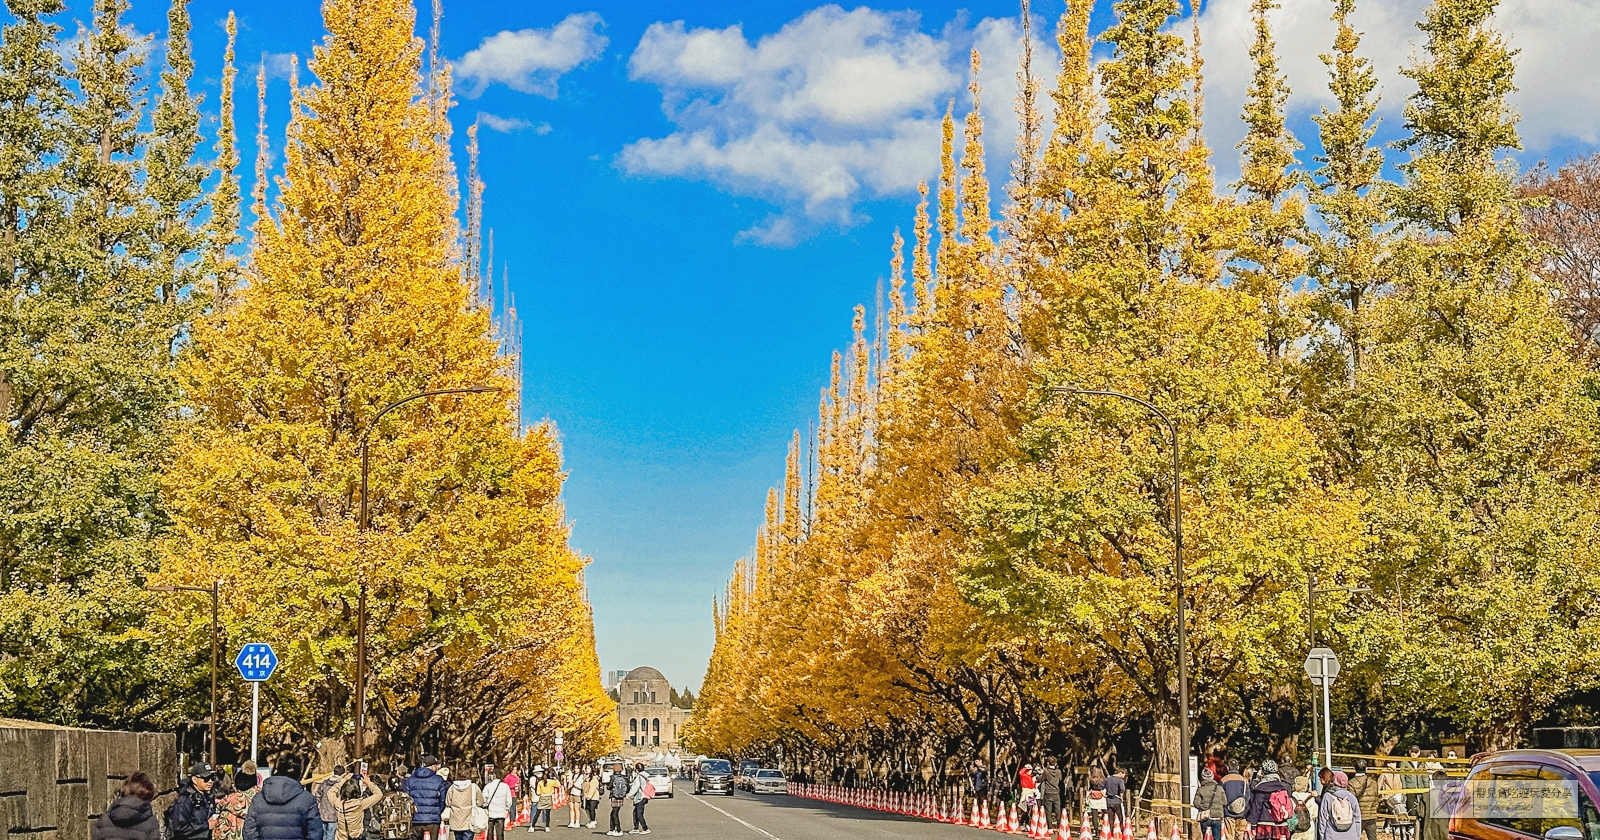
x=256, y=662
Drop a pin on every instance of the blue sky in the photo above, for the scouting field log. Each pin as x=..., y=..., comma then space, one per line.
x=688, y=211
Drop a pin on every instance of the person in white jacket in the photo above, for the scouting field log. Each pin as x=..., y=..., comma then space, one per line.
x=498, y=802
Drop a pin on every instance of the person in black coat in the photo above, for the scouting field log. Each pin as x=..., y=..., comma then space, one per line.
x=284, y=809
x=189, y=815
x=131, y=816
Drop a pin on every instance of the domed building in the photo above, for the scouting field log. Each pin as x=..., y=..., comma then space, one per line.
x=645, y=711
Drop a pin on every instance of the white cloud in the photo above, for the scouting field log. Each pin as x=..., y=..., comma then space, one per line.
x=1555, y=70
x=507, y=125
x=533, y=60
x=834, y=108
x=280, y=65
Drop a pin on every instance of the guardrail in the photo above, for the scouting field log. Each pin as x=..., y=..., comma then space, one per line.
x=956, y=809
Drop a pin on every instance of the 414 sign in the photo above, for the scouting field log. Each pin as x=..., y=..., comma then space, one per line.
x=256, y=662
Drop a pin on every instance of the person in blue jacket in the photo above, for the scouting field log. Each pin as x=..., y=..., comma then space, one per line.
x=426, y=788
x=284, y=809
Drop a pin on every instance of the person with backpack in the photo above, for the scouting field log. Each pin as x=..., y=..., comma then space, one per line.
x=427, y=789
x=1211, y=804
x=1303, y=825
x=618, y=786
x=1237, y=791
x=1270, y=807
x=393, y=816
x=640, y=790
x=1339, y=817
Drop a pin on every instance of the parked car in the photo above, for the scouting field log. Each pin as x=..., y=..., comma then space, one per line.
x=746, y=774
x=1564, y=784
x=768, y=780
x=716, y=775
x=661, y=777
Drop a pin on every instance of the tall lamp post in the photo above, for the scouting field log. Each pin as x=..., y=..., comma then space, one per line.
x=361, y=607
x=214, y=590
x=1177, y=543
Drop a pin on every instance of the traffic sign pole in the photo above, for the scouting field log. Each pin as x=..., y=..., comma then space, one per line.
x=1322, y=665
x=255, y=719
x=1327, y=726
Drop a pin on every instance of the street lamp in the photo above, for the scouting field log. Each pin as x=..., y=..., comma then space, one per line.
x=361, y=608
x=1312, y=591
x=1177, y=543
x=214, y=590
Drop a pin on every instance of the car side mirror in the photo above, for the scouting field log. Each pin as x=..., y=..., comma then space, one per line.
x=1564, y=832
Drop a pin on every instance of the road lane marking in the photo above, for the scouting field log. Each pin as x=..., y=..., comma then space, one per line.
x=702, y=801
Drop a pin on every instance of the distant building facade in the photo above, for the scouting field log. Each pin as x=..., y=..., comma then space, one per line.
x=614, y=678
x=645, y=711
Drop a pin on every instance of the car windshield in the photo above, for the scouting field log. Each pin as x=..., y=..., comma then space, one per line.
x=714, y=767
x=656, y=771
x=769, y=774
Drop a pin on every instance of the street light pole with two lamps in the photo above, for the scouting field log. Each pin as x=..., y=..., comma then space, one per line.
x=363, y=526
x=1177, y=544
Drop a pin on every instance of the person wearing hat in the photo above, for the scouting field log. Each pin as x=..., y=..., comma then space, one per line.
x=1339, y=816
x=190, y=816
x=427, y=790
x=1305, y=810
x=1211, y=803
x=1269, y=821
x=1029, y=786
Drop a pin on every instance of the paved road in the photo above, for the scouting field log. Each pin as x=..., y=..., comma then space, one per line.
x=745, y=816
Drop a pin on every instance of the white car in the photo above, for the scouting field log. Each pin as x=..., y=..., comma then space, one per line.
x=661, y=778
x=769, y=781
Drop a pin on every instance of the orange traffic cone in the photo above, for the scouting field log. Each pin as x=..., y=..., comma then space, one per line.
x=1127, y=830
x=1066, y=827
x=983, y=815
x=1084, y=834
x=1152, y=834
x=1175, y=833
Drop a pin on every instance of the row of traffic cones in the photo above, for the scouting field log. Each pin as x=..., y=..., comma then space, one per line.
x=1035, y=825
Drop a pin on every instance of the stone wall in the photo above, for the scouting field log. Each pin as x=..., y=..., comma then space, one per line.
x=55, y=781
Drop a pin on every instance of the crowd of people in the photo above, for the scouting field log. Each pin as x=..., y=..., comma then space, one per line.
x=349, y=803
x=1269, y=801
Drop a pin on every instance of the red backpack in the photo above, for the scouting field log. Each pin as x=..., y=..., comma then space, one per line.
x=1281, y=805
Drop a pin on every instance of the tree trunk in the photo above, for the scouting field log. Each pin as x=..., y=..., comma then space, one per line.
x=1166, y=793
